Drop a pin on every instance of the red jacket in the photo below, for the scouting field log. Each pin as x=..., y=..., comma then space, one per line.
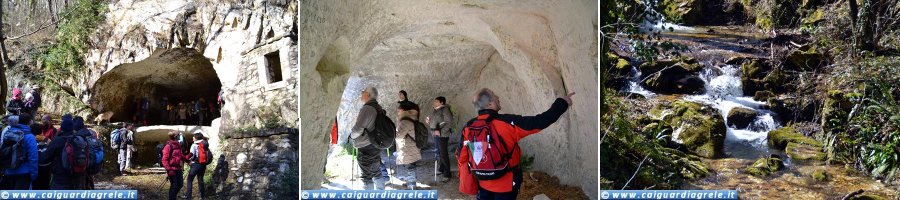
x=173, y=157
x=511, y=128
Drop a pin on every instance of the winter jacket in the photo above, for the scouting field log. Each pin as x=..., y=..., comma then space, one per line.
x=52, y=156
x=407, y=152
x=30, y=144
x=511, y=129
x=195, y=153
x=441, y=120
x=49, y=131
x=365, y=120
x=173, y=157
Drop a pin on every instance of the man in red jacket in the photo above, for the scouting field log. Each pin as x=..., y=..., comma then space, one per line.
x=490, y=167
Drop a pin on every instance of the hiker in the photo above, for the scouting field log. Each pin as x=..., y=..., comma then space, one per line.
x=63, y=178
x=369, y=155
x=143, y=110
x=407, y=151
x=95, y=148
x=15, y=105
x=33, y=100
x=47, y=127
x=439, y=123
x=171, y=111
x=123, y=141
x=182, y=114
x=480, y=172
x=43, y=179
x=173, y=161
x=200, y=157
x=405, y=100
x=164, y=112
x=19, y=154
x=200, y=107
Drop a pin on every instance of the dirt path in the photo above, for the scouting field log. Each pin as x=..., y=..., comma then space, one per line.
x=150, y=183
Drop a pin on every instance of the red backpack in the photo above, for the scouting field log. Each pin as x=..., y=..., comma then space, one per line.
x=205, y=156
x=175, y=155
x=76, y=155
x=489, y=156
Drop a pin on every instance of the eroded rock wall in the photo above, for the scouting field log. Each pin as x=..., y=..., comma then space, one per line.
x=528, y=52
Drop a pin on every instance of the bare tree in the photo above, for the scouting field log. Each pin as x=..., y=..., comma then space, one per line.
x=5, y=59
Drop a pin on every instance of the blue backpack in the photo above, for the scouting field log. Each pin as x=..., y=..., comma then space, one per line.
x=96, y=149
x=115, y=139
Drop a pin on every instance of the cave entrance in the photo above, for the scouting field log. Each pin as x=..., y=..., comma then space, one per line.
x=160, y=88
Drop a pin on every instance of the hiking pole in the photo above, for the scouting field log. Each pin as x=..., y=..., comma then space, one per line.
x=353, y=169
x=163, y=183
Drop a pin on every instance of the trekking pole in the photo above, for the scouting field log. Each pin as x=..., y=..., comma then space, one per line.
x=163, y=183
x=353, y=169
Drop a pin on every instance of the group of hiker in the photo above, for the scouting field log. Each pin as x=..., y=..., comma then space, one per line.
x=488, y=155
x=196, y=112
x=37, y=156
x=27, y=104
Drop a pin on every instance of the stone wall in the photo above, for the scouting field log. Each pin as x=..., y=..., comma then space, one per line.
x=258, y=167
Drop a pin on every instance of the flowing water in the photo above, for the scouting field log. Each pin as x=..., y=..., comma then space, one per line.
x=744, y=146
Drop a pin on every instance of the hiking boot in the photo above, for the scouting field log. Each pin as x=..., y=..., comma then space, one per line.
x=442, y=179
x=379, y=183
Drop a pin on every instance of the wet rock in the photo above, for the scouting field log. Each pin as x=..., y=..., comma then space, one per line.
x=820, y=175
x=805, y=58
x=779, y=138
x=617, y=73
x=792, y=109
x=814, y=18
x=808, y=151
x=700, y=128
x=677, y=76
x=775, y=13
x=763, y=95
x=764, y=166
x=741, y=117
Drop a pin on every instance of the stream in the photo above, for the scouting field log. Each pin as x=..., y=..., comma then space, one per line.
x=711, y=46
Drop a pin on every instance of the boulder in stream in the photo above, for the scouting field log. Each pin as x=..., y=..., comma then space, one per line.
x=700, y=128
x=674, y=76
x=780, y=138
x=811, y=151
x=765, y=166
x=741, y=117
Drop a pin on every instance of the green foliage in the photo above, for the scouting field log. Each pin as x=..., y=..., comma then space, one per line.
x=78, y=22
x=527, y=162
x=868, y=136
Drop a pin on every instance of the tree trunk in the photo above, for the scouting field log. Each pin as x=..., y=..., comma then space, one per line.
x=867, y=18
x=5, y=60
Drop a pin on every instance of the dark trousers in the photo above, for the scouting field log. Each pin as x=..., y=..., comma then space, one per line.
x=517, y=182
x=175, y=182
x=197, y=170
x=16, y=182
x=66, y=182
x=443, y=156
x=369, y=159
x=43, y=179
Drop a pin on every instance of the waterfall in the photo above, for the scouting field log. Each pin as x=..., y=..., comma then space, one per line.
x=724, y=92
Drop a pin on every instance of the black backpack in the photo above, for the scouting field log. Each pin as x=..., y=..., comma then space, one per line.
x=12, y=151
x=384, y=131
x=159, y=152
x=421, y=133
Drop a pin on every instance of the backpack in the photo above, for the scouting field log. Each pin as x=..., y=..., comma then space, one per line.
x=115, y=139
x=76, y=155
x=421, y=133
x=175, y=154
x=382, y=135
x=204, y=156
x=490, y=157
x=159, y=152
x=96, y=150
x=12, y=151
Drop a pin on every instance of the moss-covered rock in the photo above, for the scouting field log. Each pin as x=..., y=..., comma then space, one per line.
x=779, y=138
x=820, y=175
x=700, y=128
x=618, y=71
x=675, y=76
x=814, y=17
x=792, y=109
x=752, y=74
x=763, y=95
x=805, y=58
x=741, y=117
x=775, y=13
x=806, y=151
x=765, y=166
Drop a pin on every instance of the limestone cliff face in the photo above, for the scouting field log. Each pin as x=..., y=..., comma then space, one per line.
x=188, y=49
x=528, y=52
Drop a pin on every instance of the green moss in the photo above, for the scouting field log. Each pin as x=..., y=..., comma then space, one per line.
x=802, y=151
x=700, y=128
x=779, y=138
x=764, y=167
x=763, y=95
x=820, y=175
